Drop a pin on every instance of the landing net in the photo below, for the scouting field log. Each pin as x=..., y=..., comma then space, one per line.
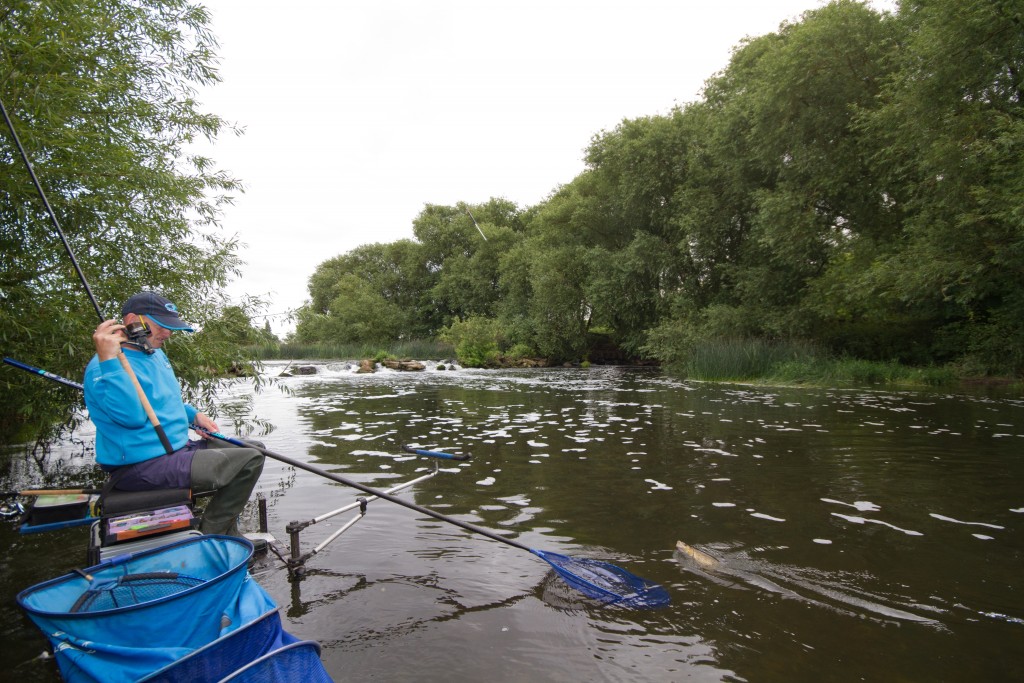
x=606, y=582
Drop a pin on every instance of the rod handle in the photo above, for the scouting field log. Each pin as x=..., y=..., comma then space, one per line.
x=145, y=403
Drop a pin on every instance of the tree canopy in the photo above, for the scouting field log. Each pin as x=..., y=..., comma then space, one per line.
x=101, y=94
x=852, y=180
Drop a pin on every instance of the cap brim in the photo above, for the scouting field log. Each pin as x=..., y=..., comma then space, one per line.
x=177, y=324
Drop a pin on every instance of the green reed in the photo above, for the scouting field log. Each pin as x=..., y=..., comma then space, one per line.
x=787, y=362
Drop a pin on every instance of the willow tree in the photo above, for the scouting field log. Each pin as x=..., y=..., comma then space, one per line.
x=463, y=245
x=951, y=125
x=374, y=293
x=101, y=94
x=786, y=110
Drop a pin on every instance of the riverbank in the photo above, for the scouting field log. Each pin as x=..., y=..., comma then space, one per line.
x=794, y=364
x=747, y=361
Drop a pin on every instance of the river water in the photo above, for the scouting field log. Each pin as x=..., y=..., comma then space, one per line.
x=857, y=534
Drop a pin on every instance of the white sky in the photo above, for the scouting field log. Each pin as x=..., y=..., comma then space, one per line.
x=359, y=114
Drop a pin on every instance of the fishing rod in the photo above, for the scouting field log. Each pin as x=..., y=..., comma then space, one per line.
x=599, y=580
x=146, y=406
x=43, y=373
x=49, y=492
x=477, y=225
x=602, y=581
x=49, y=209
x=76, y=385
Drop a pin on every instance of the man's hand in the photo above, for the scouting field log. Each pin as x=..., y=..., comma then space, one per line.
x=107, y=338
x=203, y=420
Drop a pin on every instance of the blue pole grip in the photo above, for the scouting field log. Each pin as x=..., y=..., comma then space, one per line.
x=435, y=454
x=222, y=437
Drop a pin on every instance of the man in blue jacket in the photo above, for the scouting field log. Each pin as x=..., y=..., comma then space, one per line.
x=127, y=444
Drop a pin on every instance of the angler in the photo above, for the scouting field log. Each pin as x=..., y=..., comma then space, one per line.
x=130, y=387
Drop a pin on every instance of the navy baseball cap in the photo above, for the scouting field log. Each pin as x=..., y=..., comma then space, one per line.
x=156, y=308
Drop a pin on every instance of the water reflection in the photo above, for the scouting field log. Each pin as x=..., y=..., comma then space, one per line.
x=839, y=516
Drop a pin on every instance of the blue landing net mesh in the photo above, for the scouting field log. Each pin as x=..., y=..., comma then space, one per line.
x=605, y=582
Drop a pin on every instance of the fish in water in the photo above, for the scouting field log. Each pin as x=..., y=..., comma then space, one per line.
x=703, y=559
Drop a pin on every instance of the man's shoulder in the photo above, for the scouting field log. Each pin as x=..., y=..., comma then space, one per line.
x=92, y=365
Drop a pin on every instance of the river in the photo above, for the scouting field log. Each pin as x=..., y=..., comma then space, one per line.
x=858, y=534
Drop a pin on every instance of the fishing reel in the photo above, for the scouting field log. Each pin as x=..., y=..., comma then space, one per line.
x=138, y=336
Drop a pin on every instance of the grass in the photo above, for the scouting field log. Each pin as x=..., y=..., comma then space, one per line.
x=798, y=363
x=744, y=359
x=418, y=349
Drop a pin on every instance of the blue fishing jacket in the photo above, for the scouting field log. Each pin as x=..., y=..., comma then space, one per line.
x=124, y=434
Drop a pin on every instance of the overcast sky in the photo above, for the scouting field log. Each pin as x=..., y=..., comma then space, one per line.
x=356, y=115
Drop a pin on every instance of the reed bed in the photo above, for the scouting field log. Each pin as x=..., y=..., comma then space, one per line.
x=782, y=362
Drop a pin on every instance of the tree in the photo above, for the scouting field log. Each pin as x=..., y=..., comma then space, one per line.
x=416, y=288
x=951, y=148
x=775, y=185
x=101, y=95
x=463, y=245
x=374, y=293
x=789, y=102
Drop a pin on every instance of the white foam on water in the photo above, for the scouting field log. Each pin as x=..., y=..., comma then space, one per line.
x=487, y=482
x=724, y=505
x=761, y=515
x=982, y=537
x=863, y=520
x=719, y=451
x=658, y=486
x=822, y=541
x=862, y=505
x=1002, y=617
x=960, y=521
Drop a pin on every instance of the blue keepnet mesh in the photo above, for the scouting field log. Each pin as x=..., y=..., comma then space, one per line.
x=123, y=632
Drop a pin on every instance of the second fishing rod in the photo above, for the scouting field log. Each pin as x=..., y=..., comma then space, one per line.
x=136, y=334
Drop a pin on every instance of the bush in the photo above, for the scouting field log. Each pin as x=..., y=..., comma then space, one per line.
x=475, y=341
